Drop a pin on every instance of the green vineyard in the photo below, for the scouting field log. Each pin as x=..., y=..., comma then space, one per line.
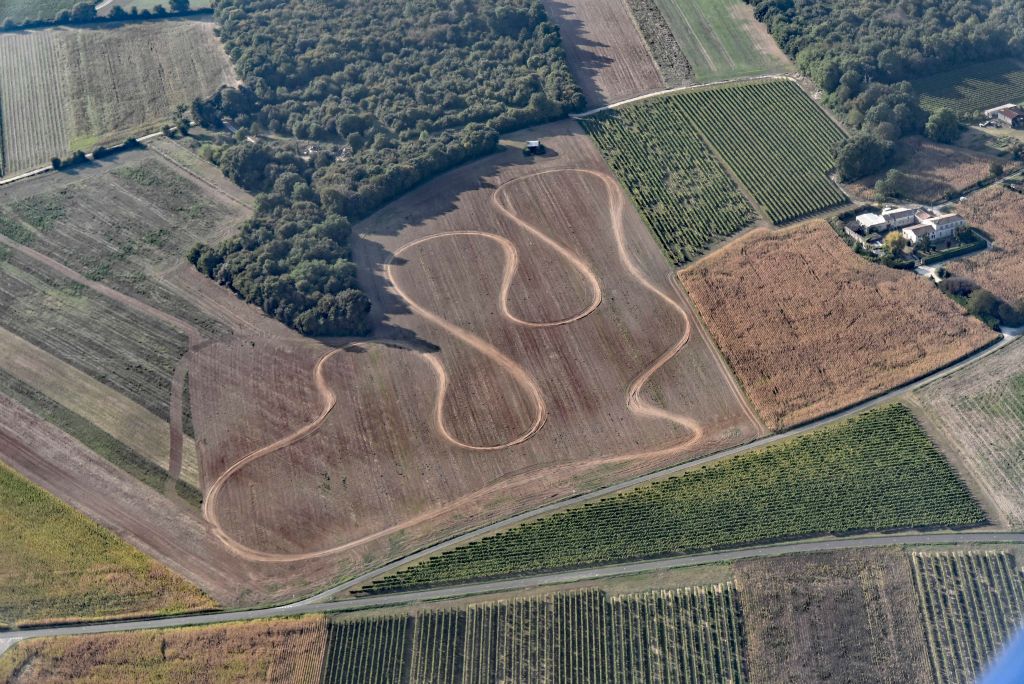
x=777, y=141
x=577, y=637
x=973, y=88
x=875, y=471
x=972, y=603
x=678, y=186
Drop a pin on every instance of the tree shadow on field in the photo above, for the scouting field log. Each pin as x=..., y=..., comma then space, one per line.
x=428, y=203
x=589, y=63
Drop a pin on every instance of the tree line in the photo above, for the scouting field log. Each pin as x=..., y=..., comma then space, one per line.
x=863, y=54
x=352, y=103
x=85, y=13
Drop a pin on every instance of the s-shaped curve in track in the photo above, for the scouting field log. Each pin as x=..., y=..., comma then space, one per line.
x=634, y=401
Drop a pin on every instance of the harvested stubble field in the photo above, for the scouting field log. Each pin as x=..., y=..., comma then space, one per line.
x=980, y=412
x=545, y=351
x=69, y=89
x=57, y=564
x=847, y=617
x=975, y=87
x=932, y=171
x=875, y=471
x=972, y=605
x=289, y=651
x=722, y=39
x=811, y=328
x=692, y=635
x=605, y=51
x=999, y=269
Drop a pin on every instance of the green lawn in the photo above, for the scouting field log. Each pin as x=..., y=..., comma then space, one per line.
x=875, y=471
x=56, y=563
x=718, y=39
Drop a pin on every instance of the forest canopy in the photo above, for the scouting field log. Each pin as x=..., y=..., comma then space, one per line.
x=862, y=53
x=380, y=96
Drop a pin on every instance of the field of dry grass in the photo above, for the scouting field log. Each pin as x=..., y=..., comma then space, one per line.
x=69, y=89
x=289, y=651
x=540, y=349
x=810, y=328
x=839, y=617
x=56, y=564
x=979, y=412
x=931, y=170
x=999, y=269
x=606, y=52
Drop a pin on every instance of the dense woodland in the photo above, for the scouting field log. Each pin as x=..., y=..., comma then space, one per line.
x=355, y=102
x=863, y=53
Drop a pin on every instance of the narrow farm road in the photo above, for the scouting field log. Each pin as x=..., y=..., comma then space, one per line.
x=532, y=582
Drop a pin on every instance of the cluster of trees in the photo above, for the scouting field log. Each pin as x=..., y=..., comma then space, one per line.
x=85, y=13
x=982, y=303
x=862, y=53
x=355, y=102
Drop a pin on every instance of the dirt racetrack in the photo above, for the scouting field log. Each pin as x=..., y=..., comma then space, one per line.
x=530, y=344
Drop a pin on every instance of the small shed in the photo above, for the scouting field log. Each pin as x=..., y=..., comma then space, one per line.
x=1011, y=116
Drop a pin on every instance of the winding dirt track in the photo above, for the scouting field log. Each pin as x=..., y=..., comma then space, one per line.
x=634, y=402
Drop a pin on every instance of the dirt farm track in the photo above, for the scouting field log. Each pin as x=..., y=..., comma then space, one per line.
x=530, y=344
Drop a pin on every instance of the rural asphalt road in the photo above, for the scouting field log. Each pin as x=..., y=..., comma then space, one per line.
x=531, y=582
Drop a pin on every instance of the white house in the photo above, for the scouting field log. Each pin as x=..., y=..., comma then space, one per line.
x=899, y=217
x=934, y=228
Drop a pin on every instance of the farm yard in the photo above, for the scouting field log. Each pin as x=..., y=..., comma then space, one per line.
x=806, y=324
x=1000, y=213
x=286, y=651
x=972, y=603
x=980, y=413
x=777, y=141
x=676, y=183
x=973, y=88
x=472, y=396
x=847, y=616
x=59, y=565
x=691, y=634
x=605, y=51
x=874, y=471
x=930, y=172
x=73, y=89
x=722, y=40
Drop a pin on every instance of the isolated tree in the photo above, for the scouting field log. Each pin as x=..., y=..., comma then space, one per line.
x=83, y=12
x=894, y=243
x=943, y=126
x=56, y=163
x=995, y=169
x=179, y=6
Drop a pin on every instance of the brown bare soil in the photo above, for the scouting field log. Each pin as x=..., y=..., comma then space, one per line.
x=999, y=269
x=840, y=617
x=980, y=413
x=932, y=170
x=288, y=651
x=530, y=344
x=606, y=53
x=811, y=328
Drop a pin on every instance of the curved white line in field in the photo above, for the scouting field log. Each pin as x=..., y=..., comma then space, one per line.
x=634, y=402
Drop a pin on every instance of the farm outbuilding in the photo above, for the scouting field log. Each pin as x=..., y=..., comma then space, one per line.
x=1012, y=116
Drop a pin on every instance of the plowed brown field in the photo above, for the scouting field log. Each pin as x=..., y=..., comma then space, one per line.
x=606, y=53
x=531, y=343
x=811, y=328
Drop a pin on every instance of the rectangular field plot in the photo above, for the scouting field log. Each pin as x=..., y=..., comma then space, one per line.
x=20, y=10
x=722, y=39
x=973, y=88
x=681, y=635
x=777, y=141
x=972, y=604
x=875, y=471
x=807, y=325
x=681, y=190
x=69, y=89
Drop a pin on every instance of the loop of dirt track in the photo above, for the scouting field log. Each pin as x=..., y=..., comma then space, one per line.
x=634, y=401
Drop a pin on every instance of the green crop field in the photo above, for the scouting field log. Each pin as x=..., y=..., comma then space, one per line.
x=682, y=635
x=20, y=10
x=722, y=39
x=973, y=88
x=972, y=604
x=55, y=562
x=874, y=471
x=777, y=141
x=684, y=194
